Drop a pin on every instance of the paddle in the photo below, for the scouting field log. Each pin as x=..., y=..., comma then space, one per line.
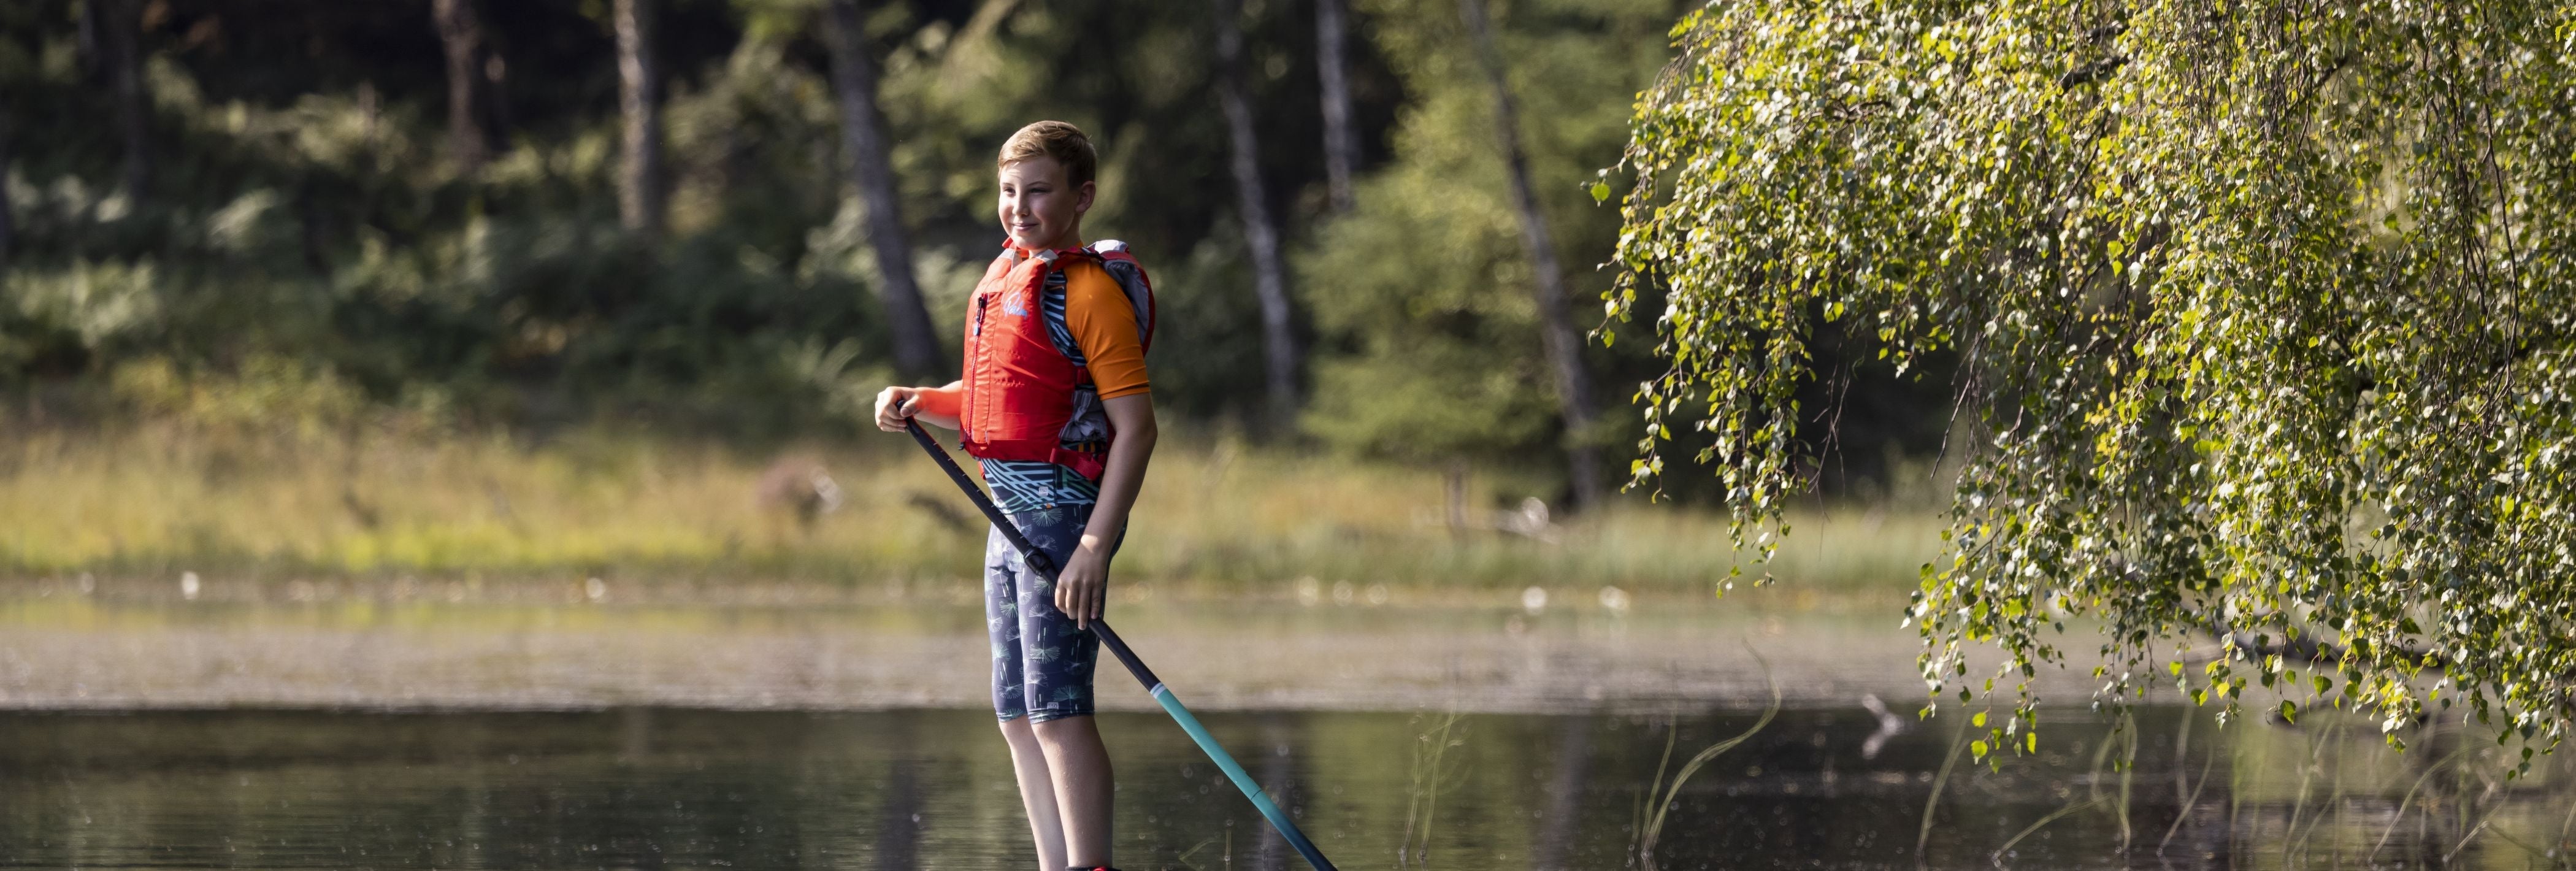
x=1046, y=567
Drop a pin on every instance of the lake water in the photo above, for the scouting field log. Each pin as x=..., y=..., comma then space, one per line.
x=683, y=788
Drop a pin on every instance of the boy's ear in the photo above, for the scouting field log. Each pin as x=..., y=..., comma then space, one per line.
x=1082, y=200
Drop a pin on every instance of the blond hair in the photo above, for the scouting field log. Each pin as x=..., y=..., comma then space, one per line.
x=1055, y=139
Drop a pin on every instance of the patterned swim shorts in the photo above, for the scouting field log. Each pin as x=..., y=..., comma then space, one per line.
x=1042, y=663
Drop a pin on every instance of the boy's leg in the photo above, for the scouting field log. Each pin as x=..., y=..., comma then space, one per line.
x=1080, y=766
x=1060, y=659
x=1028, y=760
x=1037, y=793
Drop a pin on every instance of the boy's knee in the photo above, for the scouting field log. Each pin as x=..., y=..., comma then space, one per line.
x=1057, y=727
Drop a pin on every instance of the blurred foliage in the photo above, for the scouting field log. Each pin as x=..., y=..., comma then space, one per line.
x=326, y=227
x=304, y=207
x=1429, y=340
x=2263, y=314
x=1428, y=345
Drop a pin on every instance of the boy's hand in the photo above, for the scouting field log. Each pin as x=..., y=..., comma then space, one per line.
x=894, y=404
x=1083, y=586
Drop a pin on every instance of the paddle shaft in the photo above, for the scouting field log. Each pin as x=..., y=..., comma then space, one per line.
x=1045, y=566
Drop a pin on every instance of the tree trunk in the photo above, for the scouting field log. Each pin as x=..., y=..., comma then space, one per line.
x=871, y=167
x=1457, y=501
x=639, y=183
x=85, y=48
x=472, y=129
x=120, y=20
x=8, y=220
x=1556, y=328
x=1341, y=140
x=1269, y=279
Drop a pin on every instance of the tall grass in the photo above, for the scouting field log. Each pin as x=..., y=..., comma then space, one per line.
x=366, y=500
x=1661, y=796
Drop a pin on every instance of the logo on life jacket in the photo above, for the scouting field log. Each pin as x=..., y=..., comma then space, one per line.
x=1021, y=390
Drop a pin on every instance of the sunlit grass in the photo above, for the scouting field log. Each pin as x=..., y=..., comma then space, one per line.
x=1218, y=512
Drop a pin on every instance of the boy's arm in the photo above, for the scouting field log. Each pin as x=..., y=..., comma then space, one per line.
x=1081, y=589
x=934, y=405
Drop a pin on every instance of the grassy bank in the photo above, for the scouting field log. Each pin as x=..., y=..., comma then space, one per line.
x=162, y=499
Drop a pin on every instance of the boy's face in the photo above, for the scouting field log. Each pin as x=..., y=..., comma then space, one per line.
x=1038, y=208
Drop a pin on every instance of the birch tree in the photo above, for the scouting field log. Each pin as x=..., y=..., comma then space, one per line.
x=1332, y=78
x=639, y=106
x=473, y=131
x=122, y=21
x=8, y=216
x=866, y=152
x=1260, y=233
x=2265, y=310
x=1557, y=335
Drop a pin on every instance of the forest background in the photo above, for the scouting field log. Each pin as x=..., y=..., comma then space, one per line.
x=356, y=286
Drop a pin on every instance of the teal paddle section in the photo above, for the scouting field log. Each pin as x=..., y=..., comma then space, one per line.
x=1045, y=566
x=1242, y=781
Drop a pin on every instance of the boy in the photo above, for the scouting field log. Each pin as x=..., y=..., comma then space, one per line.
x=1056, y=405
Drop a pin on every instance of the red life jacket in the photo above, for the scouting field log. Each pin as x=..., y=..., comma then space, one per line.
x=1020, y=389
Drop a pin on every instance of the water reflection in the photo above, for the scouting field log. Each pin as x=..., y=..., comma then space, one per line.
x=655, y=788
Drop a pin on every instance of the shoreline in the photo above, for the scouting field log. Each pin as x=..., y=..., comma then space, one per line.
x=850, y=652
